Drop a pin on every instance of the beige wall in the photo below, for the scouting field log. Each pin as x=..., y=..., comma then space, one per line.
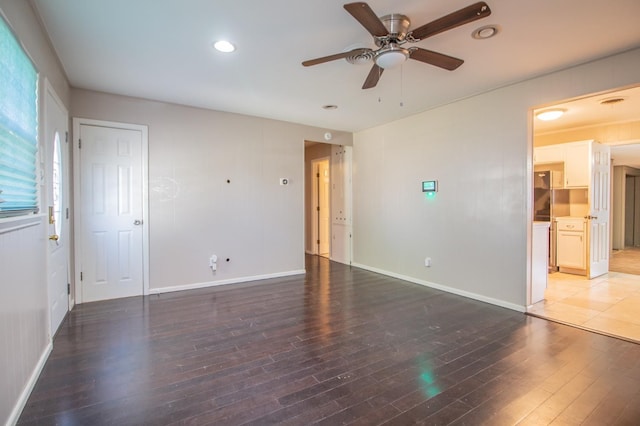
x=24, y=326
x=476, y=229
x=254, y=221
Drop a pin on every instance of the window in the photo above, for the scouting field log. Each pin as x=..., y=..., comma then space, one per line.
x=18, y=127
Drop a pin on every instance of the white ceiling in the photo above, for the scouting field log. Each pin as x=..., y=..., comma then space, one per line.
x=161, y=49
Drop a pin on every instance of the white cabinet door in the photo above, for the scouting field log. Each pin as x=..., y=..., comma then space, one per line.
x=577, y=170
x=548, y=154
x=571, y=249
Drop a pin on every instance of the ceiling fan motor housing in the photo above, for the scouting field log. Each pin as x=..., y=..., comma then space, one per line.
x=397, y=26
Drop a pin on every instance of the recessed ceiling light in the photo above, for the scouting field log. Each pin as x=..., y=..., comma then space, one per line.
x=550, y=114
x=485, y=32
x=330, y=106
x=224, y=46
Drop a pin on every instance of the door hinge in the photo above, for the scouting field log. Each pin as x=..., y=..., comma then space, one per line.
x=318, y=175
x=67, y=213
x=317, y=241
x=79, y=143
x=318, y=208
x=68, y=288
x=66, y=137
x=80, y=276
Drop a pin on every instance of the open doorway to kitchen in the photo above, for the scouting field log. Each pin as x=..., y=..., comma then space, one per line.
x=605, y=303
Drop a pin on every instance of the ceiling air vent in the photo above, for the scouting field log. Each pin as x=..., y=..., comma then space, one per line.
x=611, y=101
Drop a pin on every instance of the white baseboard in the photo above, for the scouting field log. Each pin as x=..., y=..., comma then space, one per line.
x=26, y=392
x=448, y=289
x=225, y=282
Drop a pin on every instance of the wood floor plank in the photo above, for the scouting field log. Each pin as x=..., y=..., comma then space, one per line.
x=338, y=345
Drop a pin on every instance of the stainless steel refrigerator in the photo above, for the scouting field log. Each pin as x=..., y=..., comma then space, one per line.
x=550, y=200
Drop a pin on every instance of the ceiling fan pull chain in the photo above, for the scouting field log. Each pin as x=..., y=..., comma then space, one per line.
x=401, y=85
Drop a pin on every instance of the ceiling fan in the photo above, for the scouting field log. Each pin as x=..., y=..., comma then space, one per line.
x=391, y=32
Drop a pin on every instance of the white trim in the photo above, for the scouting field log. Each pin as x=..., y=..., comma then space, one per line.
x=77, y=224
x=11, y=224
x=448, y=289
x=225, y=282
x=31, y=383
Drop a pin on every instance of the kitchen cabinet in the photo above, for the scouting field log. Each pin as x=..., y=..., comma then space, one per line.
x=576, y=157
x=548, y=154
x=571, y=243
x=577, y=167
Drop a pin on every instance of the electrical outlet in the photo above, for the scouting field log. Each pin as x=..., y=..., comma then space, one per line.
x=427, y=262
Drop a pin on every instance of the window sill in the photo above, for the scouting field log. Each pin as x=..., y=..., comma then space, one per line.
x=9, y=224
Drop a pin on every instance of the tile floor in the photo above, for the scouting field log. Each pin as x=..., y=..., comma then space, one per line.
x=609, y=304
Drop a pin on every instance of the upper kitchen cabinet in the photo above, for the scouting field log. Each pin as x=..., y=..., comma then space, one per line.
x=577, y=164
x=548, y=154
x=576, y=157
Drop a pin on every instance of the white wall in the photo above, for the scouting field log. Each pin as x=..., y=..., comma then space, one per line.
x=479, y=149
x=24, y=330
x=194, y=212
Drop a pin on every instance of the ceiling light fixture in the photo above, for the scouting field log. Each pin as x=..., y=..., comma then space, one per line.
x=485, y=32
x=224, y=46
x=550, y=114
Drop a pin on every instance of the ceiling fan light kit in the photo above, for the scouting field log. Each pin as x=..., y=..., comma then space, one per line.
x=391, y=56
x=391, y=31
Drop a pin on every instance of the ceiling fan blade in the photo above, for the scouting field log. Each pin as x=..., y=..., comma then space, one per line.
x=367, y=18
x=354, y=52
x=463, y=16
x=373, y=77
x=434, y=58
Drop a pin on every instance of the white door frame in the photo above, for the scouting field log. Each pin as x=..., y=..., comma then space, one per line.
x=77, y=203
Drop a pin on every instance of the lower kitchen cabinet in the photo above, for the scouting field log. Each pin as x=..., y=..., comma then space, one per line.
x=571, y=243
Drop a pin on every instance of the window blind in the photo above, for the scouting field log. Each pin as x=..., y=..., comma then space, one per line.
x=18, y=127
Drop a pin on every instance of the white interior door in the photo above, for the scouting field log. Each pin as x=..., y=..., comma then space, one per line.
x=112, y=231
x=599, y=202
x=56, y=167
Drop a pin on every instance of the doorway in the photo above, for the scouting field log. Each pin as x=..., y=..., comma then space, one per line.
x=601, y=304
x=317, y=198
x=632, y=211
x=321, y=208
x=111, y=221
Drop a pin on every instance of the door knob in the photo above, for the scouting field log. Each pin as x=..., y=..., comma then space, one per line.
x=54, y=237
x=137, y=222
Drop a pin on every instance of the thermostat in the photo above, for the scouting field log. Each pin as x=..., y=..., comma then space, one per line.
x=430, y=186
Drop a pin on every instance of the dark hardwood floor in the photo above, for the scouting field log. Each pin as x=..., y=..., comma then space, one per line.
x=338, y=346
